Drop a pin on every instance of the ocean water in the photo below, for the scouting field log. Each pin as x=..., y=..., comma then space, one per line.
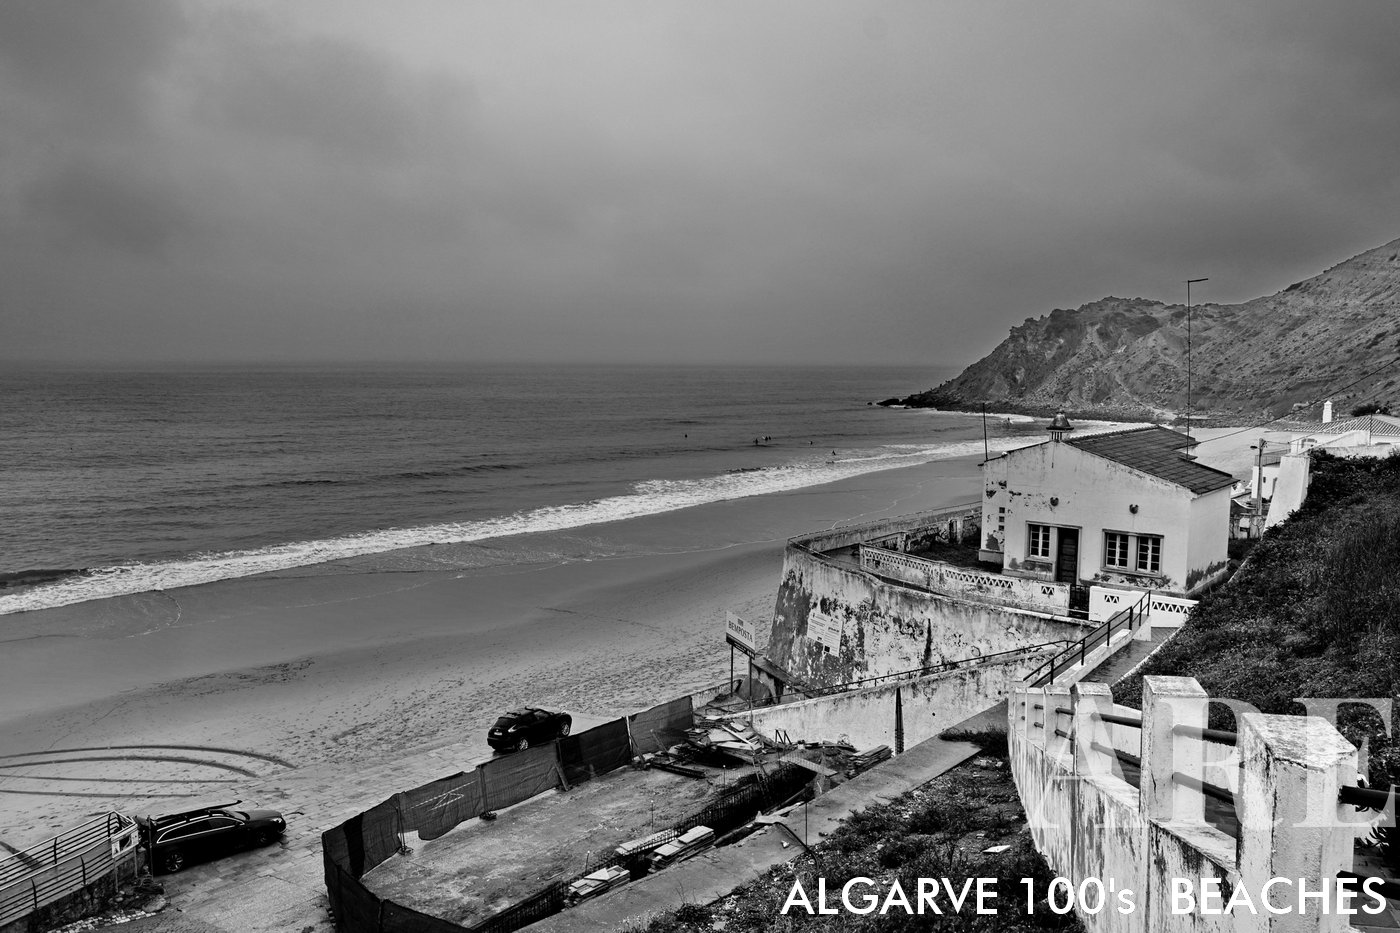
x=115, y=482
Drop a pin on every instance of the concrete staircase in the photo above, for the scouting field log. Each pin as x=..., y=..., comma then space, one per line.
x=1121, y=663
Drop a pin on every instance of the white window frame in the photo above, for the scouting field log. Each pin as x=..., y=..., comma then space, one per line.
x=1137, y=546
x=1034, y=534
x=1117, y=550
x=1153, y=546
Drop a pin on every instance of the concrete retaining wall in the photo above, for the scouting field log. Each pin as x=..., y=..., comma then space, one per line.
x=834, y=623
x=930, y=704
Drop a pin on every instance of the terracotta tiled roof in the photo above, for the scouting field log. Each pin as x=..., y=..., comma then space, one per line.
x=1156, y=451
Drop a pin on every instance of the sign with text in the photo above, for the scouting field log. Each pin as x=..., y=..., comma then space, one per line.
x=739, y=632
x=824, y=630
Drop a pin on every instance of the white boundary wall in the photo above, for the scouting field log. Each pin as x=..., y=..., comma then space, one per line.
x=1091, y=823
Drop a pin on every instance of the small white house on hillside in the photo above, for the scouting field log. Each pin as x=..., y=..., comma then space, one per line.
x=1125, y=507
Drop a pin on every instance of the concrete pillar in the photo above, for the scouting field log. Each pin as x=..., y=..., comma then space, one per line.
x=1056, y=746
x=1036, y=733
x=1291, y=825
x=1022, y=716
x=1168, y=702
x=1090, y=702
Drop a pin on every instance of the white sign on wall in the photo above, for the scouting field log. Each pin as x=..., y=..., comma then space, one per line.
x=825, y=630
x=739, y=632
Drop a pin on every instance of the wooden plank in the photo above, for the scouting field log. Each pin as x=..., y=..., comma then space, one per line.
x=809, y=765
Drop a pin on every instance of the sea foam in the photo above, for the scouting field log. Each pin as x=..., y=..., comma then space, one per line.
x=650, y=497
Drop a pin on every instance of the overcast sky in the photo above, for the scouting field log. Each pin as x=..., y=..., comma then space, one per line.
x=654, y=181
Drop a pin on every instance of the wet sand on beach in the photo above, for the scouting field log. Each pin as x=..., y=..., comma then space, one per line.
x=357, y=660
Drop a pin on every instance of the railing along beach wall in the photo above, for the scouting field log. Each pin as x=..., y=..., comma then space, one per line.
x=73, y=861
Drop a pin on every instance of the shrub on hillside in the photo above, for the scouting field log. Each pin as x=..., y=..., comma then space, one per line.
x=1314, y=611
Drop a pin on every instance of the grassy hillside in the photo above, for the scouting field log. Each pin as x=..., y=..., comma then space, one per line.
x=1314, y=611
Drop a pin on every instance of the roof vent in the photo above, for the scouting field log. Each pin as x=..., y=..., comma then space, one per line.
x=1059, y=426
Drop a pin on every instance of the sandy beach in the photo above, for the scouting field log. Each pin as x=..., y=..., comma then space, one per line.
x=357, y=661
x=341, y=663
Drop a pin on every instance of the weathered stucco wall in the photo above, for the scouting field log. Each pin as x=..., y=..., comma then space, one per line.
x=1094, y=495
x=943, y=577
x=1089, y=823
x=1210, y=536
x=929, y=705
x=1293, y=477
x=873, y=627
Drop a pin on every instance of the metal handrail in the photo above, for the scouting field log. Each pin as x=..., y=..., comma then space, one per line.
x=1129, y=618
x=1129, y=757
x=1218, y=736
x=1369, y=798
x=1223, y=794
x=1117, y=720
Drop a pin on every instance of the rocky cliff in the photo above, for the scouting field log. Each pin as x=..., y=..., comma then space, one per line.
x=1127, y=356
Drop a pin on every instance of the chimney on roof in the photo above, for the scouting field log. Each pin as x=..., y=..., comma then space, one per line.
x=1327, y=411
x=1059, y=426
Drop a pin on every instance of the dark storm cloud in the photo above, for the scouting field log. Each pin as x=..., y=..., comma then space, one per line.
x=344, y=101
x=782, y=181
x=110, y=205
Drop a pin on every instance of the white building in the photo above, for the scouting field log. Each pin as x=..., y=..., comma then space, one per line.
x=1366, y=435
x=1125, y=507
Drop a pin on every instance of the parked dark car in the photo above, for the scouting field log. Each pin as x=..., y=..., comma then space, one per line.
x=181, y=839
x=521, y=728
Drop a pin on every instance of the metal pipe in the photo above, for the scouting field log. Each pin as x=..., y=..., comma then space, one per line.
x=1129, y=757
x=1372, y=798
x=1206, y=735
x=1121, y=720
x=1210, y=790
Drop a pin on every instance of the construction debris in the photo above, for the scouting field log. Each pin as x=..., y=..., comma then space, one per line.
x=646, y=843
x=596, y=883
x=680, y=849
x=869, y=758
x=809, y=765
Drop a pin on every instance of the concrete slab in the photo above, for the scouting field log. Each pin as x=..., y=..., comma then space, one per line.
x=712, y=875
x=700, y=880
x=880, y=784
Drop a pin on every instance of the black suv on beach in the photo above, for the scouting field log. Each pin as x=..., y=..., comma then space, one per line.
x=181, y=839
x=520, y=728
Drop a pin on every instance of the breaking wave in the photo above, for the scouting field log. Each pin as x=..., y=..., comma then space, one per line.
x=651, y=497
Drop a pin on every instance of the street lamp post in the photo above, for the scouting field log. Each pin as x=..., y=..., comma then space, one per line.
x=1189, y=283
x=1256, y=520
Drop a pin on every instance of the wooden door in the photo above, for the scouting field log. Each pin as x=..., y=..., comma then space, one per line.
x=1067, y=556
